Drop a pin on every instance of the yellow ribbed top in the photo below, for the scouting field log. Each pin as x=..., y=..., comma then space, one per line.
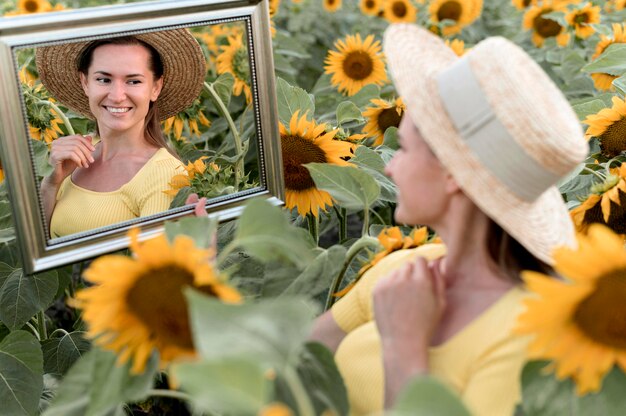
x=79, y=209
x=482, y=362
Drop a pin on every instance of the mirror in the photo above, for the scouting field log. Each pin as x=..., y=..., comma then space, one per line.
x=86, y=91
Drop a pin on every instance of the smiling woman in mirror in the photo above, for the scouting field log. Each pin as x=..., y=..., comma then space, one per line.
x=127, y=85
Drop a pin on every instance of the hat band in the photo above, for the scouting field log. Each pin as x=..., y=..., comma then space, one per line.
x=484, y=133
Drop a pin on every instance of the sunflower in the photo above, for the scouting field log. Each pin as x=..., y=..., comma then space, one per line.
x=43, y=124
x=544, y=28
x=461, y=12
x=144, y=307
x=331, y=5
x=457, y=45
x=308, y=142
x=33, y=6
x=356, y=63
x=523, y=4
x=605, y=205
x=234, y=59
x=197, y=167
x=382, y=115
x=609, y=126
x=370, y=7
x=604, y=82
x=274, y=6
x=192, y=117
x=399, y=11
x=582, y=19
x=580, y=323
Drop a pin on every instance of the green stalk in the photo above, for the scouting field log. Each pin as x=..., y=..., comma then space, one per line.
x=366, y=222
x=303, y=401
x=360, y=244
x=61, y=114
x=343, y=223
x=314, y=227
x=172, y=394
x=239, y=173
x=41, y=326
x=595, y=173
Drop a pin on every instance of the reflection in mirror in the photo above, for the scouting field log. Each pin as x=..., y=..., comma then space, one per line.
x=127, y=127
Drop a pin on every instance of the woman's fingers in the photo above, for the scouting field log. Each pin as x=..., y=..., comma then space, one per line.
x=76, y=148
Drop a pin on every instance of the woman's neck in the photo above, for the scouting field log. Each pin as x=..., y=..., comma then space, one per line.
x=114, y=144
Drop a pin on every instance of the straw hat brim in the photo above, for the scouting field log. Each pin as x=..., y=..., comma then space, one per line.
x=415, y=58
x=184, y=69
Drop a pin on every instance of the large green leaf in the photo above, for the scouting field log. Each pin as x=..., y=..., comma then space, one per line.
x=612, y=61
x=226, y=385
x=373, y=163
x=40, y=151
x=96, y=385
x=544, y=395
x=223, y=86
x=425, y=396
x=351, y=187
x=22, y=296
x=347, y=111
x=587, y=108
x=21, y=374
x=264, y=232
x=620, y=84
x=272, y=331
x=200, y=229
x=292, y=99
x=62, y=349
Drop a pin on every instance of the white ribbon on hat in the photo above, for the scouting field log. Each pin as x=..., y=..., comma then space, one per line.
x=476, y=122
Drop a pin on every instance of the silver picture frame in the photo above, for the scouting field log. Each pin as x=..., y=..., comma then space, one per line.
x=39, y=252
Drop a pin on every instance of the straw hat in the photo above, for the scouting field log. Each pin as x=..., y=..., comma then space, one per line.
x=500, y=126
x=184, y=70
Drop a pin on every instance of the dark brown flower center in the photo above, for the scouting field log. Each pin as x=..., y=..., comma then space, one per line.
x=388, y=118
x=370, y=4
x=31, y=6
x=546, y=28
x=157, y=300
x=581, y=18
x=617, y=215
x=297, y=152
x=526, y=3
x=602, y=316
x=613, y=140
x=399, y=9
x=451, y=10
x=358, y=65
x=330, y=2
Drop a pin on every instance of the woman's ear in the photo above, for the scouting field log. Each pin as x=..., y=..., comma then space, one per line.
x=156, y=89
x=451, y=185
x=83, y=82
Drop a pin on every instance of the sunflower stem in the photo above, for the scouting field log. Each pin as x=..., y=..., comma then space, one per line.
x=366, y=222
x=360, y=244
x=233, y=128
x=342, y=215
x=303, y=401
x=41, y=326
x=314, y=228
x=173, y=394
x=595, y=173
x=61, y=114
x=34, y=330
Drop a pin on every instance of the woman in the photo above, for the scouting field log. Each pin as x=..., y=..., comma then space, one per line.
x=486, y=138
x=127, y=85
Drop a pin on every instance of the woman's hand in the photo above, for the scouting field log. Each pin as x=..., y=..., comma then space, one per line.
x=408, y=306
x=68, y=153
x=198, y=210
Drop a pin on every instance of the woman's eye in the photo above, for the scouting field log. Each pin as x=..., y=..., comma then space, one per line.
x=103, y=80
x=134, y=82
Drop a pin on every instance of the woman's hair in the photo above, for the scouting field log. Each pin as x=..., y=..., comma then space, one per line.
x=510, y=255
x=152, y=132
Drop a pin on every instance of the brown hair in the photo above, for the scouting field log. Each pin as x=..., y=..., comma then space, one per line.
x=510, y=256
x=152, y=127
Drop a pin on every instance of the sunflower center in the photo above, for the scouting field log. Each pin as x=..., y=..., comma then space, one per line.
x=450, y=10
x=358, y=65
x=389, y=117
x=157, y=299
x=526, y=3
x=330, y=2
x=241, y=68
x=581, y=18
x=546, y=28
x=31, y=6
x=399, y=9
x=602, y=316
x=370, y=4
x=296, y=153
x=613, y=140
x=617, y=215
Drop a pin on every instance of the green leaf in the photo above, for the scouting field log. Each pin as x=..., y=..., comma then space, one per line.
x=544, y=395
x=292, y=99
x=571, y=65
x=200, y=229
x=234, y=385
x=21, y=374
x=181, y=197
x=587, y=108
x=620, y=84
x=425, y=396
x=264, y=232
x=365, y=95
x=97, y=385
x=391, y=138
x=223, y=86
x=62, y=349
x=271, y=330
x=22, y=296
x=370, y=161
x=40, y=152
x=347, y=111
x=612, y=61
x=351, y=187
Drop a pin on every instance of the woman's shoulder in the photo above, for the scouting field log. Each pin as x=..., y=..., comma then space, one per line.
x=397, y=258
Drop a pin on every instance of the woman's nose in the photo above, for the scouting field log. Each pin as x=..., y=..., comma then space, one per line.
x=117, y=92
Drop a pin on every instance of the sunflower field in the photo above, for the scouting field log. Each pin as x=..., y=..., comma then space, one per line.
x=182, y=325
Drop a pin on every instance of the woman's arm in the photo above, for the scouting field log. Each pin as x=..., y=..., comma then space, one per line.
x=407, y=309
x=326, y=331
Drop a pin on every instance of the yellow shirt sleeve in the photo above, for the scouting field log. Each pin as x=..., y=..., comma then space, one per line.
x=355, y=308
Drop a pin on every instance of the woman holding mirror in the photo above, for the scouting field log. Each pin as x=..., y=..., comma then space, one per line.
x=127, y=85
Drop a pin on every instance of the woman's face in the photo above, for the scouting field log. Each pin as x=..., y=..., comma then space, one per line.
x=421, y=180
x=120, y=87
